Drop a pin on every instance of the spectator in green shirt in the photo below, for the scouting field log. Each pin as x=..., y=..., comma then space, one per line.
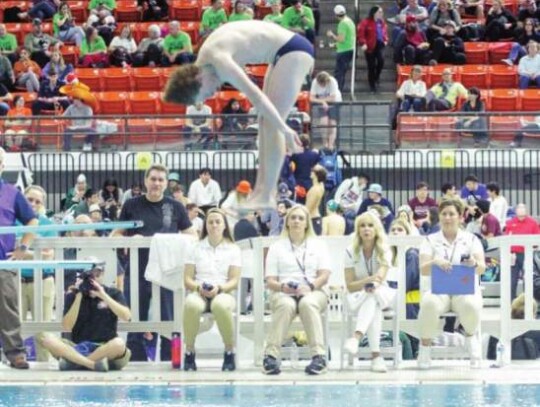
x=102, y=8
x=8, y=44
x=177, y=49
x=299, y=19
x=345, y=42
x=212, y=18
x=93, y=51
x=240, y=12
x=39, y=43
x=64, y=27
x=276, y=16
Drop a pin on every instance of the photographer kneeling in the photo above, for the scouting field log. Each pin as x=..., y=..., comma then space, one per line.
x=91, y=313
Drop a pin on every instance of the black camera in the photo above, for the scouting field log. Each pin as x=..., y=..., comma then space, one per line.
x=207, y=287
x=369, y=286
x=86, y=285
x=465, y=257
x=293, y=285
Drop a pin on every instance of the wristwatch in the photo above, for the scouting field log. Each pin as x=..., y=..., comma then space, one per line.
x=22, y=248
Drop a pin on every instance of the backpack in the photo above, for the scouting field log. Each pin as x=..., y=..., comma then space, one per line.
x=334, y=176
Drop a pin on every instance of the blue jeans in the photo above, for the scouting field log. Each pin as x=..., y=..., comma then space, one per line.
x=42, y=10
x=343, y=62
x=524, y=81
x=4, y=108
x=69, y=133
x=181, y=59
x=417, y=104
x=516, y=52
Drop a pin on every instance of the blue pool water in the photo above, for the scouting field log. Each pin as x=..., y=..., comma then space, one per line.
x=315, y=395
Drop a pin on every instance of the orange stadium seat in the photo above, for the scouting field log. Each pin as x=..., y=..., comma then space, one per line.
x=442, y=129
x=79, y=10
x=257, y=73
x=169, y=130
x=192, y=29
x=91, y=77
x=262, y=10
x=225, y=96
x=503, y=76
x=116, y=79
x=144, y=103
x=499, y=51
x=213, y=103
x=474, y=75
x=70, y=53
x=302, y=101
x=17, y=31
x=126, y=10
x=477, y=52
x=141, y=131
x=113, y=103
x=147, y=78
x=185, y=10
x=171, y=108
x=503, y=128
x=530, y=100
x=503, y=100
x=435, y=74
x=411, y=129
x=49, y=131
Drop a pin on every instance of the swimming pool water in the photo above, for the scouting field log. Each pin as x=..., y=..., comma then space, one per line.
x=315, y=395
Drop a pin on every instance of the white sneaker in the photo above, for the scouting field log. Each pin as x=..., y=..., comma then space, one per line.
x=508, y=61
x=87, y=147
x=378, y=365
x=475, y=350
x=424, y=357
x=351, y=346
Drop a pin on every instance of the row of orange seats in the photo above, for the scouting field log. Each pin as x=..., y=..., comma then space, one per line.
x=481, y=76
x=151, y=103
x=487, y=52
x=139, y=79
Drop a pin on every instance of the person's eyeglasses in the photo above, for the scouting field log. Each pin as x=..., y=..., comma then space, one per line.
x=34, y=200
x=297, y=217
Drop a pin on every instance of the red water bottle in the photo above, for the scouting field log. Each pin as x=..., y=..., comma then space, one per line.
x=176, y=350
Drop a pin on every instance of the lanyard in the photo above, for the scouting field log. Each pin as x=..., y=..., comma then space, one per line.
x=446, y=257
x=301, y=265
x=368, y=264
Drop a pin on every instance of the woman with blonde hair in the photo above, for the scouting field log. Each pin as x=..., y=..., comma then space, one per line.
x=212, y=273
x=57, y=62
x=297, y=269
x=367, y=261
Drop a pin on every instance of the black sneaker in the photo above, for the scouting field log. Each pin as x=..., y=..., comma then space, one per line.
x=228, y=362
x=189, y=362
x=271, y=365
x=317, y=365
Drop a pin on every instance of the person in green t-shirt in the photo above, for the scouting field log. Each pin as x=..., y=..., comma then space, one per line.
x=276, y=16
x=177, y=48
x=299, y=19
x=8, y=44
x=102, y=8
x=65, y=28
x=240, y=12
x=212, y=18
x=93, y=50
x=345, y=42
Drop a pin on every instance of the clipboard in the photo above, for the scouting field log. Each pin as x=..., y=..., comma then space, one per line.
x=459, y=281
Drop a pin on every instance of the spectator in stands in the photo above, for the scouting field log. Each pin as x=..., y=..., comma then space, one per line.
x=241, y=12
x=406, y=214
x=7, y=76
x=18, y=124
x=315, y=196
x=193, y=212
x=75, y=195
x=65, y=27
x=411, y=46
x=500, y=22
x=413, y=10
x=177, y=49
x=122, y=48
x=93, y=52
x=472, y=8
x=49, y=96
x=173, y=180
x=90, y=197
x=448, y=191
x=5, y=97
x=439, y=17
x=178, y=193
x=529, y=67
x=234, y=119
x=350, y=193
x=421, y=203
x=473, y=190
x=42, y=9
x=375, y=198
x=205, y=191
x=521, y=224
x=324, y=95
x=444, y=95
x=523, y=37
x=372, y=38
x=150, y=49
x=153, y=10
x=412, y=92
x=38, y=43
x=160, y=214
x=467, y=250
x=474, y=125
x=102, y=8
x=212, y=274
x=133, y=192
x=333, y=224
x=110, y=199
x=299, y=19
x=57, y=62
x=274, y=219
x=489, y=224
x=448, y=47
x=8, y=44
x=275, y=16
x=499, y=205
x=297, y=288
x=92, y=319
x=304, y=162
x=528, y=9
x=105, y=26
x=345, y=40
x=212, y=18
x=527, y=127
x=82, y=123
x=27, y=72
x=235, y=199
x=95, y=213
x=366, y=264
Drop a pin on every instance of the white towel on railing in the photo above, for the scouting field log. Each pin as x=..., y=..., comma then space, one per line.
x=167, y=258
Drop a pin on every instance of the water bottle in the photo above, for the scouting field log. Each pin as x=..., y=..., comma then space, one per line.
x=176, y=350
x=294, y=355
x=500, y=354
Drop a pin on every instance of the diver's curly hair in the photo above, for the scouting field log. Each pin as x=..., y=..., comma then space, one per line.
x=183, y=85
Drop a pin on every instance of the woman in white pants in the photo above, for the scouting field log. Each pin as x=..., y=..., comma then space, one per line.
x=450, y=246
x=367, y=261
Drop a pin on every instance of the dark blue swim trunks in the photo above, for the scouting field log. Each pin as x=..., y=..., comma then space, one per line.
x=296, y=43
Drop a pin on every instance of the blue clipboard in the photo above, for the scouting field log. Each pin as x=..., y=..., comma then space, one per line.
x=459, y=281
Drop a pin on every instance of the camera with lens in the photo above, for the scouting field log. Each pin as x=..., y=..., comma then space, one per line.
x=293, y=285
x=86, y=285
x=207, y=287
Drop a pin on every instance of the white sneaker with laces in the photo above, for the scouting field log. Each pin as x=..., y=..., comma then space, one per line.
x=475, y=351
x=378, y=365
x=351, y=346
x=508, y=61
x=424, y=357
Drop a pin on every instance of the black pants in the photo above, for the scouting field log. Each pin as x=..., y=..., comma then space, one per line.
x=529, y=128
x=152, y=54
x=38, y=106
x=343, y=63
x=444, y=54
x=412, y=55
x=495, y=30
x=375, y=64
x=516, y=270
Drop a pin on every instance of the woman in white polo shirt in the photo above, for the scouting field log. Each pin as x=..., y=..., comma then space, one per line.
x=297, y=269
x=367, y=261
x=211, y=274
x=450, y=246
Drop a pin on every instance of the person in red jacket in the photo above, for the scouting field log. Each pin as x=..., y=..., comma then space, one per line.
x=521, y=224
x=372, y=37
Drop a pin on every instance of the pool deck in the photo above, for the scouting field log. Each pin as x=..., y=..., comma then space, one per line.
x=210, y=373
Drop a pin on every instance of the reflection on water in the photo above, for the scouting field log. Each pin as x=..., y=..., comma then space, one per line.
x=316, y=395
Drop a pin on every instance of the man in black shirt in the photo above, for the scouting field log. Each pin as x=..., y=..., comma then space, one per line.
x=160, y=214
x=91, y=313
